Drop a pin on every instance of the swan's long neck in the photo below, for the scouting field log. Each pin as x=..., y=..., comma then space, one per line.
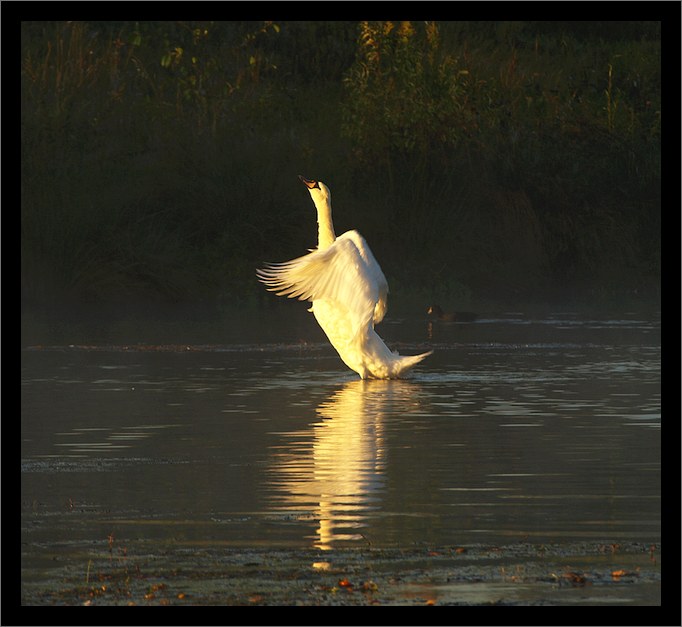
x=325, y=226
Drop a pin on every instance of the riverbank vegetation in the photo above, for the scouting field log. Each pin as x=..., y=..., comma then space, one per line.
x=503, y=161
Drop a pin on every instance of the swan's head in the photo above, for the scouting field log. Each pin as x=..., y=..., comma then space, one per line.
x=318, y=191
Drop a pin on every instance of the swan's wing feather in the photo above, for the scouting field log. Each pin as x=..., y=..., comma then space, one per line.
x=345, y=272
x=374, y=270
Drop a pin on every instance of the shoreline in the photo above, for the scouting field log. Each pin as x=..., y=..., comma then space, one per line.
x=574, y=573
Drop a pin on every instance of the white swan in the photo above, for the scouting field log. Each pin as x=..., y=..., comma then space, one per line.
x=348, y=291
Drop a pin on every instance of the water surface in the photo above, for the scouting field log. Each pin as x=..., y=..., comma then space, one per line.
x=517, y=428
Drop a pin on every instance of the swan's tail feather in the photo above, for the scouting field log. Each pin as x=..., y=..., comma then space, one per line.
x=404, y=363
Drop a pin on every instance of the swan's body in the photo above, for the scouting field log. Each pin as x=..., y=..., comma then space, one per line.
x=348, y=291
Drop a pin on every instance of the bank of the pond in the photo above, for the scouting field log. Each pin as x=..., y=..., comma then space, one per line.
x=571, y=574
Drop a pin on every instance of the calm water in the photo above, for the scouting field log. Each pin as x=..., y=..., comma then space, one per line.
x=546, y=429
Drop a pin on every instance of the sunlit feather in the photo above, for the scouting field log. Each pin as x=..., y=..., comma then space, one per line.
x=348, y=292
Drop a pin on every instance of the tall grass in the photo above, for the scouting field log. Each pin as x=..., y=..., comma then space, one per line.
x=132, y=183
x=523, y=161
x=159, y=158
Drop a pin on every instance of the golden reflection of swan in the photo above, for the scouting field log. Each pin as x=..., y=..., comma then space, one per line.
x=334, y=469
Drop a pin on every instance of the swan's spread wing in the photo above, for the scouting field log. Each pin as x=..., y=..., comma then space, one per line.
x=345, y=272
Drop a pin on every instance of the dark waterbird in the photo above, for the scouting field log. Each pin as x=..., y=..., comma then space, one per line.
x=435, y=312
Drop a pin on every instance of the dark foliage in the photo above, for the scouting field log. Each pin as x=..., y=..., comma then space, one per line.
x=482, y=160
